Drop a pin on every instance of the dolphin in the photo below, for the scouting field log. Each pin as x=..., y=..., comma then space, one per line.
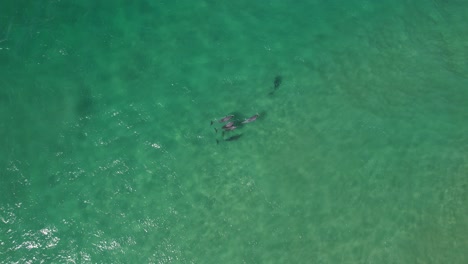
x=251, y=119
x=226, y=118
x=228, y=125
x=230, y=128
x=222, y=120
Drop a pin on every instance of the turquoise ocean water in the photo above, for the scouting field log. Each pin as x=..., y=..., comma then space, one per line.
x=107, y=154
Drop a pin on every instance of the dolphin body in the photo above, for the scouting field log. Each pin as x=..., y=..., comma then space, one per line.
x=250, y=119
x=224, y=119
x=228, y=125
x=230, y=128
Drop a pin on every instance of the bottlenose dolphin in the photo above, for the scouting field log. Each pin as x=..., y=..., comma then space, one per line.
x=228, y=125
x=227, y=129
x=222, y=120
x=226, y=118
x=230, y=128
x=251, y=119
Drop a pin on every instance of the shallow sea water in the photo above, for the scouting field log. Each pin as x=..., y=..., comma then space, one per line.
x=108, y=156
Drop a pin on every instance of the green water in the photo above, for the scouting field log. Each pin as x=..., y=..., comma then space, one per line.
x=107, y=154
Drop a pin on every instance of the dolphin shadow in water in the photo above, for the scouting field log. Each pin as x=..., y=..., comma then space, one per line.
x=276, y=84
x=233, y=138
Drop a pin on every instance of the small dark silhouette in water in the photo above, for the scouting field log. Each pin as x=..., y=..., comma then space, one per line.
x=250, y=119
x=233, y=138
x=277, y=81
x=216, y=130
x=276, y=84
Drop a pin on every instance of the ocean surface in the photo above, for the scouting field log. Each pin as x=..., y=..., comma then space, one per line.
x=359, y=155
